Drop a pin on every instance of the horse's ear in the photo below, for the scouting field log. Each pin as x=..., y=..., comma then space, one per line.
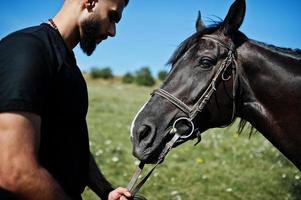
x=234, y=17
x=199, y=25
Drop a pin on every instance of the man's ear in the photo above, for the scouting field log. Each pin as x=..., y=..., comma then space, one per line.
x=89, y=4
x=199, y=24
x=234, y=17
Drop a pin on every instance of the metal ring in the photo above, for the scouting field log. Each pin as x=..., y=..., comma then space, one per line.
x=187, y=119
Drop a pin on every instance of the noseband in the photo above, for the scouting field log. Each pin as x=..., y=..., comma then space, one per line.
x=192, y=112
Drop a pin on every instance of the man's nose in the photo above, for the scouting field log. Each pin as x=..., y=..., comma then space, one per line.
x=112, y=30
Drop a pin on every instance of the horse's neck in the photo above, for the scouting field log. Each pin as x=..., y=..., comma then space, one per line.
x=271, y=85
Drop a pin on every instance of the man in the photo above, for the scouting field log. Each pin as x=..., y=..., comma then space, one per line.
x=44, y=148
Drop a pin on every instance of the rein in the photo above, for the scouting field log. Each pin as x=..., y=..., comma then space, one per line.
x=191, y=112
x=166, y=149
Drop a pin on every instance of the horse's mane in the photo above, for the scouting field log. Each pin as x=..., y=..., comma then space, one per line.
x=193, y=39
x=243, y=124
x=289, y=51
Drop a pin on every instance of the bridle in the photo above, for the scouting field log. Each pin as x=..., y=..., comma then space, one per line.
x=192, y=112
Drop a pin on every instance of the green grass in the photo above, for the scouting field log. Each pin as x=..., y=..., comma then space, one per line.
x=224, y=166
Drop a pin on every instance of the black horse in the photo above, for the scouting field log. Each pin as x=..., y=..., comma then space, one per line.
x=219, y=74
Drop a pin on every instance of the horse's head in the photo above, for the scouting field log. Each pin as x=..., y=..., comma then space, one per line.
x=201, y=87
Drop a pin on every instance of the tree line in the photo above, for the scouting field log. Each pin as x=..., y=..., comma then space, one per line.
x=142, y=77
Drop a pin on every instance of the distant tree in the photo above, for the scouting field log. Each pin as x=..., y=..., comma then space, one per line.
x=105, y=73
x=95, y=72
x=128, y=78
x=162, y=75
x=144, y=77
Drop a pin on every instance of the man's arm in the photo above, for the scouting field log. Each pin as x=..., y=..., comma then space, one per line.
x=20, y=172
x=99, y=184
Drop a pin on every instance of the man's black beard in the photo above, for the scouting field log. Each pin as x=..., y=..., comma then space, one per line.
x=90, y=28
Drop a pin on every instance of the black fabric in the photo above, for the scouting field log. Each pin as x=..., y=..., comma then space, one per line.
x=39, y=74
x=5, y=195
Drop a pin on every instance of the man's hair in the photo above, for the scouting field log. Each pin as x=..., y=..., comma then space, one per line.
x=126, y=2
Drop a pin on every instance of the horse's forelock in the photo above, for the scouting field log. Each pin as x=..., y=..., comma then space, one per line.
x=190, y=41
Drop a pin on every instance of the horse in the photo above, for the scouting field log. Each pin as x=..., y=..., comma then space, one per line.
x=218, y=74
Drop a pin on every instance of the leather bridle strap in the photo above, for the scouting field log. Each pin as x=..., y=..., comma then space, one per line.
x=200, y=104
x=139, y=169
x=174, y=100
x=230, y=47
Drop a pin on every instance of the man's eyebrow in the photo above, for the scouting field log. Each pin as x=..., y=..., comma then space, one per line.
x=115, y=16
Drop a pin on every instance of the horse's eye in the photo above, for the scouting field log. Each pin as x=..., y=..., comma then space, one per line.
x=206, y=63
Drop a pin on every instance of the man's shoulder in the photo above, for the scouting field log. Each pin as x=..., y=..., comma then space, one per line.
x=36, y=35
x=31, y=44
x=27, y=49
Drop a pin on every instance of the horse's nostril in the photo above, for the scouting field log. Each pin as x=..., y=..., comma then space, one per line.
x=143, y=132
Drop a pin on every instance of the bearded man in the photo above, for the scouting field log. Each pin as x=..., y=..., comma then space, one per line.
x=44, y=145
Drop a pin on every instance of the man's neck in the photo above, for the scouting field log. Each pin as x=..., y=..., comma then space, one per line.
x=66, y=22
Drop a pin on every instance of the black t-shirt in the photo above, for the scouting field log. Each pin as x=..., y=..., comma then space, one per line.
x=38, y=74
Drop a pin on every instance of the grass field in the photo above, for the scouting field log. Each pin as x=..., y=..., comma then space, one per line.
x=224, y=166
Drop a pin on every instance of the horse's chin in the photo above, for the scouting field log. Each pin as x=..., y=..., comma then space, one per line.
x=152, y=159
x=151, y=155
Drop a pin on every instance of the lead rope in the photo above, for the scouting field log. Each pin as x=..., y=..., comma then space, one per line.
x=139, y=168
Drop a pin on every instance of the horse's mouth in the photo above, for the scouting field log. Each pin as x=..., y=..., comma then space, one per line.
x=151, y=150
x=151, y=154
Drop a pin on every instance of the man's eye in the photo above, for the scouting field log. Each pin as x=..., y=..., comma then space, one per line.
x=206, y=63
x=114, y=17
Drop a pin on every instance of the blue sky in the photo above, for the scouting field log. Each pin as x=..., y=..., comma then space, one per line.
x=152, y=29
